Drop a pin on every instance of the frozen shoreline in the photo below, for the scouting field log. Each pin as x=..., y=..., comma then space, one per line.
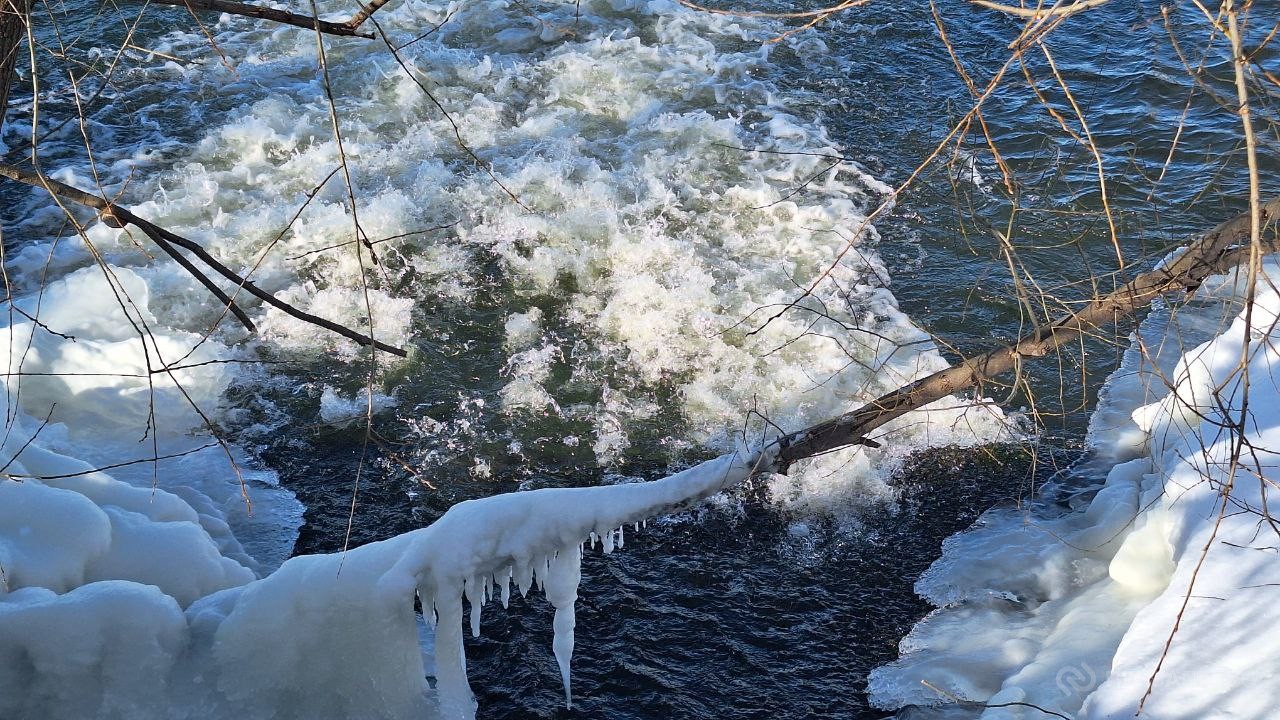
x=1072, y=612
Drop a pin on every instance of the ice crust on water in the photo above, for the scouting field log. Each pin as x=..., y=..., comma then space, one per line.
x=1072, y=613
x=96, y=567
x=97, y=394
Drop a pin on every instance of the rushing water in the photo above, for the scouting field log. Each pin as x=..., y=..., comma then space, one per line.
x=593, y=338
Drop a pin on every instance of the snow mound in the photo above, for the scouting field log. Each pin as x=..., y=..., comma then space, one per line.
x=1073, y=613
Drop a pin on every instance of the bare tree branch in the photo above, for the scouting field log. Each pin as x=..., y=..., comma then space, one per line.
x=345, y=29
x=118, y=216
x=1058, y=9
x=1221, y=249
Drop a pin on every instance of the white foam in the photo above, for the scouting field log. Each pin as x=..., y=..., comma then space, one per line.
x=651, y=233
x=338, y=409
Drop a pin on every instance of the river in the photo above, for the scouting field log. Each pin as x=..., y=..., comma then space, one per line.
x=594, y=336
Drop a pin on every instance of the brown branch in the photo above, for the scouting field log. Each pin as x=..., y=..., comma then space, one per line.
x=366, y=12
x=819, y=13
x=1057, y=9
x=345, y=29
x=203, y=279
x=118, y=216
x=1221, y=249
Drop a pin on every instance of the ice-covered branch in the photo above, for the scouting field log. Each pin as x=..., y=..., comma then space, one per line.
x=477, y=550
x=488, y=543
x=323, y=636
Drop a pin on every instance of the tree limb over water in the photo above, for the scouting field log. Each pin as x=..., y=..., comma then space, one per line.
x=117, y=216
x=346, y=28
x=1059, y=9
x=1219, y=250
x=283, y=17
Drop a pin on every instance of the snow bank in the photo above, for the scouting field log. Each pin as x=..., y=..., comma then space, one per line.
x=1073, y=613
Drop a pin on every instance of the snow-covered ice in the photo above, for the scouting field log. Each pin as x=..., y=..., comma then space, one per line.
x=1168, y=568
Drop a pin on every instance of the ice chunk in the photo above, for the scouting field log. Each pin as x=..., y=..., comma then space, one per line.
x=102, y=650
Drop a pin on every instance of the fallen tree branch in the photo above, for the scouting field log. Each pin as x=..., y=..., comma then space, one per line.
x=1221, y=249
x=366, y=11
x=345, y=29
x=117, y=216
x=1035, y=13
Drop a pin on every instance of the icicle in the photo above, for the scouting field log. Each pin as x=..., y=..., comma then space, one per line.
x=561, y=589
x=506, y=588
x=593, y=540
x=487, y=585
x=472, y=590
x=452, y=688
x=540, y=574
x=524, y=578
x=451, y=557
x=635, y=527
x=621, y=540
x=644, y=523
